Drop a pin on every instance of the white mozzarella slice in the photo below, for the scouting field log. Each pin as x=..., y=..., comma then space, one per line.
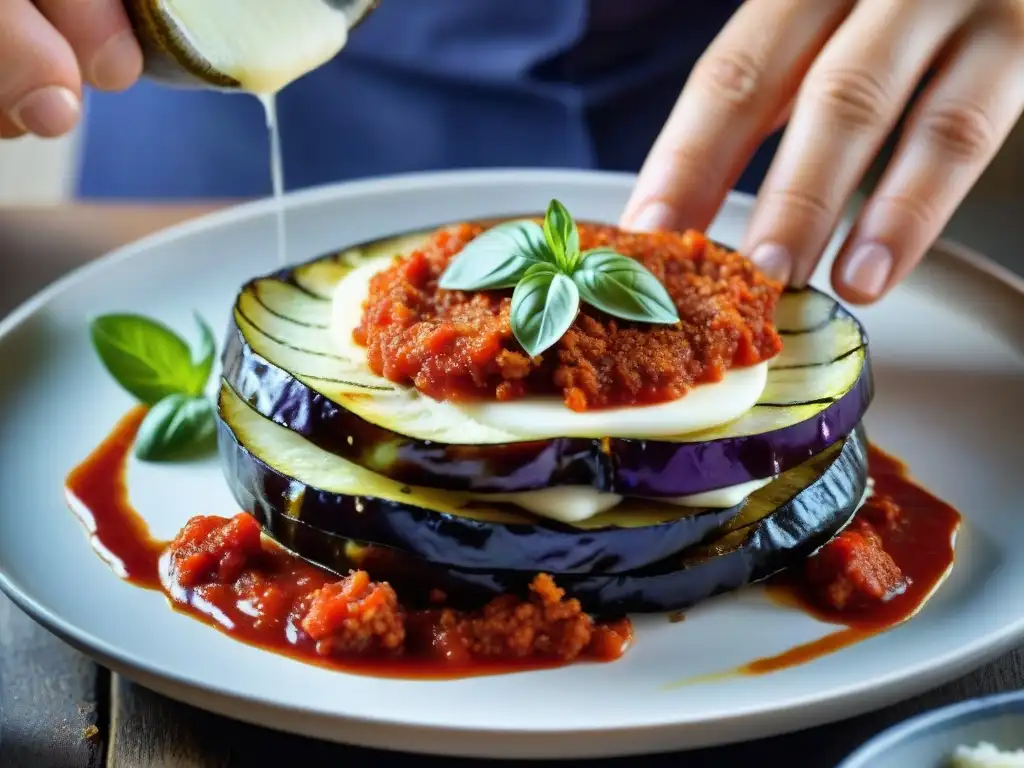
x=703, y=407
x=347, y=306
x=566, y=503
x=722, y=498
x=575, y=503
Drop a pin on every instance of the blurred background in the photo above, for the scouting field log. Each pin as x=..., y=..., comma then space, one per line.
x=45, y=233
x=418, y=90
x=38, y=172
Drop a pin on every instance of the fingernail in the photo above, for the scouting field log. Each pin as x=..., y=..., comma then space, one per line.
x=867, y=269
x=652, y=217
x=117, y=64
x=47, y=112
x=773, y=260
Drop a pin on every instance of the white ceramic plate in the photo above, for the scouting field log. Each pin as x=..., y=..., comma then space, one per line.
x=947, y=349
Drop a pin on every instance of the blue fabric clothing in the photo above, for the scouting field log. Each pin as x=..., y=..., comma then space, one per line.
x=422, y=85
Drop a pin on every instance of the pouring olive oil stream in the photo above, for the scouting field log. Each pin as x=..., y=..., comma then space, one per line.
x=250, y=46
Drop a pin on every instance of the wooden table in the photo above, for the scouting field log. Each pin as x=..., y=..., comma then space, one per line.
x=60, y=710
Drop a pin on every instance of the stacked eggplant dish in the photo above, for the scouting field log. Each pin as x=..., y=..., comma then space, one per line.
x=643, y=419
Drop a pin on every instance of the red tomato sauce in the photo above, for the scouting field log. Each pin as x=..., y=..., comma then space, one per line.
x=455, y=345
x=223, y=572
x=878, y=572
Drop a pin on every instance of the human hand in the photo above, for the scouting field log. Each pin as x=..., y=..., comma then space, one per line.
x=840, y=72
x=48, y=48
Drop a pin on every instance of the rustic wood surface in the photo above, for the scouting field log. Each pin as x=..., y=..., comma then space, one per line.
x=60, y=710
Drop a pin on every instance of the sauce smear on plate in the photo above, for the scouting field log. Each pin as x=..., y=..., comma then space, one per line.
x=97, y=491
x=222, y=572
x=848, y=583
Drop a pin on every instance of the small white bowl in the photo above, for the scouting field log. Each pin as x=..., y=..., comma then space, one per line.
x=930, y=739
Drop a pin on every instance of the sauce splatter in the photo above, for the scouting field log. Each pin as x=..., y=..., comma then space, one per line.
x=97, y=490
x=917, y=530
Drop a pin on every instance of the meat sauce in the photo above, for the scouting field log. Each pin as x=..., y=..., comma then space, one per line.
x=220, y=570
x=878, y=572
x=873, y=576
x=455, y=345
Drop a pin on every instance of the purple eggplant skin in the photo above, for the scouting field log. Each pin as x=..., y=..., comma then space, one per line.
x=460, y=541
x=646, y=468
x=630, y=467
x=785, y=538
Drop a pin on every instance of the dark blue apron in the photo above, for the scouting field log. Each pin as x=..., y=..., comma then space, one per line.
x=423, y=85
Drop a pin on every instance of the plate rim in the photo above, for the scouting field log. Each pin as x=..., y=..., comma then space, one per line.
x=809, y=711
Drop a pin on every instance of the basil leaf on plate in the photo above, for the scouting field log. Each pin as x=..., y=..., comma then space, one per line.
x=202, y=366
x=562, y=236
x=145, y=357
x=497, y=258
x=623, y=287
x=178, y=427
x=544, y=304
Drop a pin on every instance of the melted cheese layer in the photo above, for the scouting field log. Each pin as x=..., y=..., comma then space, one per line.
x=537, y=418
x=575, y=503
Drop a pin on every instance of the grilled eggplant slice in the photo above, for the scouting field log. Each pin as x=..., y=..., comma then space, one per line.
x=281, y=359
x=780, y=527
x=274, y=472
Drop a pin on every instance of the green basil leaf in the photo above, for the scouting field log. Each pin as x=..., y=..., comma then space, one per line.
x=202, y=365
x=561, y=235
x=623, y=287
x=497, y=258
x=177, y=428
x=544, y=304
x=145, y=357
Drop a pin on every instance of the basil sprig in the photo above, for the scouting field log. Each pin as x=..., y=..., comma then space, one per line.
x=159, y=369
x=551, y=276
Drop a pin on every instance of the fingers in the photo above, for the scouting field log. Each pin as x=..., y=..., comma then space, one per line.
x=734, y=98
x=101, y=36
x=847, y=105
x=40, y=88
x=40, y=80
x=953, y=133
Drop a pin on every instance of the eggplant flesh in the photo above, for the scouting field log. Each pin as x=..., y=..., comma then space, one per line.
x=821, y=498
x=274, y=473
x=281, y=359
